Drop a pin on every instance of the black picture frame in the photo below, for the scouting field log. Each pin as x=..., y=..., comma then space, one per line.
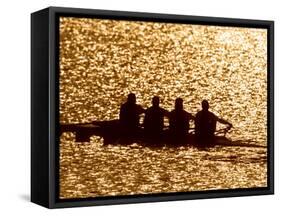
x=45, y=106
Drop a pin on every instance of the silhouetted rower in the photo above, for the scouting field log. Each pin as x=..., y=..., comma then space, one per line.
x=205, y=125
x=154, y=119
x=179, y=122
x=130, y=113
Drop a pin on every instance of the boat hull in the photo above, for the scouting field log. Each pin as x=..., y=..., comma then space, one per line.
x=112, y=133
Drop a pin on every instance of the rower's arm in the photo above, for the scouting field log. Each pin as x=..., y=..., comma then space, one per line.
x=166, y=113
x=141, y=110
x=192, y=117
x=222, y=121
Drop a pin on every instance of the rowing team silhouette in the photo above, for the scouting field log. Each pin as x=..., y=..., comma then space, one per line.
x=179, y=119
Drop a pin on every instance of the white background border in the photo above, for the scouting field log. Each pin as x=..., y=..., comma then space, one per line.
x=15, y=107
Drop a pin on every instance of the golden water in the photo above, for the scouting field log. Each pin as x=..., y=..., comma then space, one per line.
x=101, y=61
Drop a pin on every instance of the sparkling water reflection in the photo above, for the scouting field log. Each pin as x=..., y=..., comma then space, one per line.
x=101, y=61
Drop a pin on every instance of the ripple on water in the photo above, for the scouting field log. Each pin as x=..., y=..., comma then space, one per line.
x=123, y=170
x=101, y=61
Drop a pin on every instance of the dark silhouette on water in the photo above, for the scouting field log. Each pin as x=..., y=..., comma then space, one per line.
x=110, y=132
x=154, y=120
x=129, y=121
x=126, y=131
x=205, y=125
x=179, y=122
x=130, y=113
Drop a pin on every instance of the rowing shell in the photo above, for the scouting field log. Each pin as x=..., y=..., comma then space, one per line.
x=113, y=133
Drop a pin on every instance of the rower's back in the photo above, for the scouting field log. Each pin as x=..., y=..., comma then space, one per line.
x=205, y=125
x=179, y=123
x=130, y=113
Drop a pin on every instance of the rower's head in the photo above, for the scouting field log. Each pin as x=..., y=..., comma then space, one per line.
x=179, y=104
x=205, y=105
x=131, y=98
x=155, y=101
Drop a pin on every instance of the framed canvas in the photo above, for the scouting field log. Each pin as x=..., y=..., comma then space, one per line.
x=133, y=107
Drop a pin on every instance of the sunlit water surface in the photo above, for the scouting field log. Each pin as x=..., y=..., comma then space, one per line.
x=101, y=61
